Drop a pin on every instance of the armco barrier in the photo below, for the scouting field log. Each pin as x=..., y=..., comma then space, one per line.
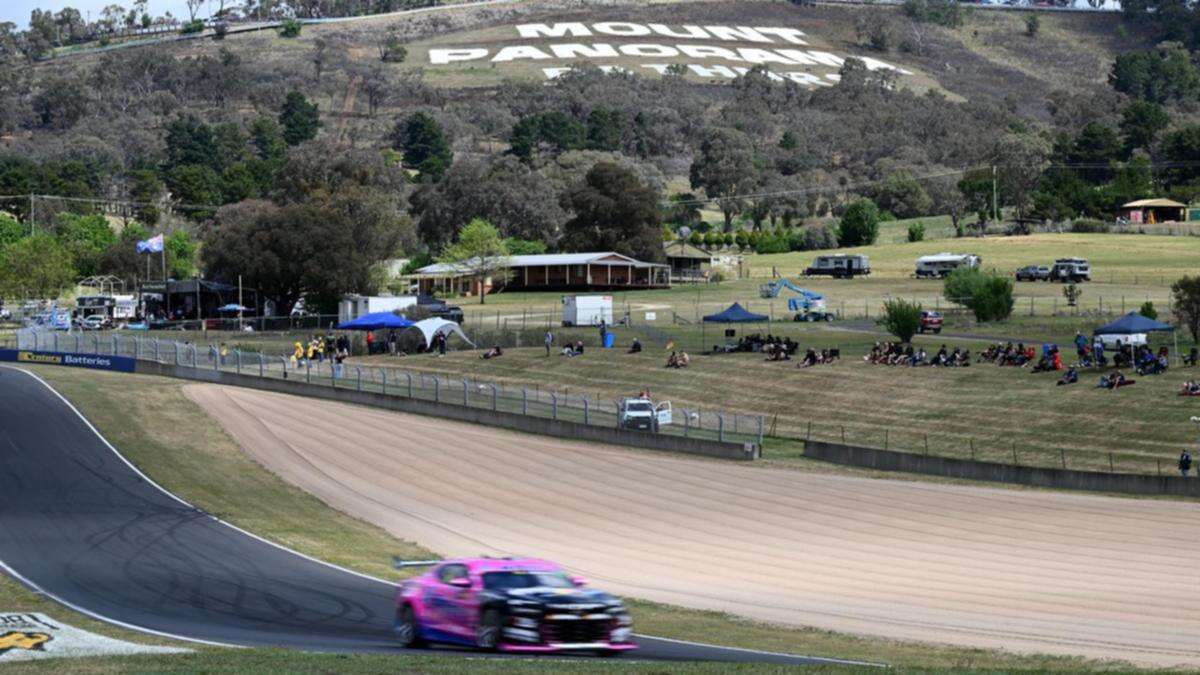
x=1066, y=479
x=506, y=420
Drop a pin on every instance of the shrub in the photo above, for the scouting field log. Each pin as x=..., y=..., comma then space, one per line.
x=1032, y=24
x=901, y=318
x=192, y=27
x=220, y=30
x=916, y=232
x=712, y=239
x=860, y=224
x=729, y=240
x=946, y=13
x=696, y=239
x=1147, y=310
x=741, y=239
x=989, y=296
x=770, y=243
x=1090, y=225
x=290, y=28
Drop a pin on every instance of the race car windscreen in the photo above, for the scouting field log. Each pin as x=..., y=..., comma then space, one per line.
x=514, y=579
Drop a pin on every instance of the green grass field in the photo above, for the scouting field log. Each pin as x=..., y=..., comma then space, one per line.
x=171, y=439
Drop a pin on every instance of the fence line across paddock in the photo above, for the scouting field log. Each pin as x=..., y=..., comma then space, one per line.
x=781, y=432
x=578, y=407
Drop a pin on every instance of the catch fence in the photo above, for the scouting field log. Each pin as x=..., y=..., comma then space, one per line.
x=581, y=408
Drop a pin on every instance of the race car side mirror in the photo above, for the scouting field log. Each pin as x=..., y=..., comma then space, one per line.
x=460, y=582
x=579, y=581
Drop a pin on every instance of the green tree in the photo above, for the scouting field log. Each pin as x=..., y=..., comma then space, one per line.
x=1147, y=310
x=1158, y=76
x=613, y=212
x=197, y=186
x=726, y=167
x=37, y=266
x=267, y=137
x=989, y=296
x=859, y=225
x=605, y=129
x=181, y=251
x=299, y=119
x=1181, y=147
x=1141, y=123
x=901, y=318
x=524, y=246
x=916, y=232
x=11, y=230
x=1032, y=24
x=191, y=141
x=479, y=253
x=85, y=238
x=290, y=28
x=1185, y=303
x=424, y=145
x=1096, y=145
x=902, y=195
x=145, y=189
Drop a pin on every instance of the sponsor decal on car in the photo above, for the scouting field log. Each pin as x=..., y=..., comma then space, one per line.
x=26, y=636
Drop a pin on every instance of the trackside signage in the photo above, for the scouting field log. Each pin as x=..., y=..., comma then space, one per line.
x=30, y=636
x=709, y=52
x=123, y=364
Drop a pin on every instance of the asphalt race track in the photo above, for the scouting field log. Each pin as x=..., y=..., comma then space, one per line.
x=82, y=525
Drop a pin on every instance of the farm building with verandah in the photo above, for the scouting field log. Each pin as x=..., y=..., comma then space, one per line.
x=688, y=263
x=1151, y=211
x=606, y=271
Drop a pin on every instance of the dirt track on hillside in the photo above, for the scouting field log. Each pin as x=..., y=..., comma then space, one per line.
x=1028, y=571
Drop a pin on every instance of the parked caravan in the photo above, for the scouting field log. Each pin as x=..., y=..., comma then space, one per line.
x=940, y=265
x=839, y=266
x=1071, y=270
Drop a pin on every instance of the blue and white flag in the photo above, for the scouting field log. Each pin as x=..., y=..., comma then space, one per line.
x=151, y=245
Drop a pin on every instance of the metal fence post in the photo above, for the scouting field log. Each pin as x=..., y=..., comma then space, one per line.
x=308, y=371
x=437, y=387
x=95, y=343
x=176, y=345
x=524, y=401
x=78, y=342
x=735, y=419
x=553, y=406
x=55, y=342
x=137, y=348
x=466, y=400
x=586, y=419
x=283, y=360
x=408, y=375
x=238, y=354
x=194, y=356
x=760, y=430
x=720, y=427
x=216, y=358
x=262, y=365
x=493, y=398
x=687, y=421
x=358, y=378
x=116, y=345
x=157, y=357
x=383, y=378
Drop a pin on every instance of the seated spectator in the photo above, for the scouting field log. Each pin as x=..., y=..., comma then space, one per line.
x=1043, y=365
x=918, y=358
x=1189, y=388
x=1069, y=377
x=636, y=346
x=673, y=360
x=1115, y=381
x=684, y=359
x=1190, y=359
x=809, y=360
x=492, y=353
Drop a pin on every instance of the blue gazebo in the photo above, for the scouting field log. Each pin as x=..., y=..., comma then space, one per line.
x=376, y=321
x=735, y=313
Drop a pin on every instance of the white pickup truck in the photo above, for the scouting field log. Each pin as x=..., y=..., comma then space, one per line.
x=641, y=413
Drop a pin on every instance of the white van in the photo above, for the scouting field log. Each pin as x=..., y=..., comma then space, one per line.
x=1071, y=270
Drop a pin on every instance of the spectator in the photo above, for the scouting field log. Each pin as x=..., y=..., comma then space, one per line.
x=1069, y=377
x=370, y=342
x=392, y=339
x=1185, y=463
x=548, y=340
x=492, y=353
x=1081, y=344
x=440, y=339
x=634, y=347
x=1190, y=359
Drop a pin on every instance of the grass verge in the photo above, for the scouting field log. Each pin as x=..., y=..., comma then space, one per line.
x=174, y=441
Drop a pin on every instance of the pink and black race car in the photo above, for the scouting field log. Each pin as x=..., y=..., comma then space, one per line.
x=508, y=604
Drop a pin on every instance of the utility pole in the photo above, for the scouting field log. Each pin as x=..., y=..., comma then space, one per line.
x=995, y=197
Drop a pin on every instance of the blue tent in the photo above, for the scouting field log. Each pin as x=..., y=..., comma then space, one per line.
x=735, y=314
x=1131, y=324
x=375, y=321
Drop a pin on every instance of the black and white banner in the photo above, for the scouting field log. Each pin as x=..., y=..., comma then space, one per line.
x=27, y=635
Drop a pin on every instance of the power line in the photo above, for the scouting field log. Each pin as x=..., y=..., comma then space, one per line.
x=101, y=200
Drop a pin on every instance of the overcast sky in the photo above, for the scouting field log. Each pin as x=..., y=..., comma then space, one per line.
x=17, y=11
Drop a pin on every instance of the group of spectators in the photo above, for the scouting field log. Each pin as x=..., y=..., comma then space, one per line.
x=762, y=343
x=1006, y=354
x=318, y=348
x=899, y=354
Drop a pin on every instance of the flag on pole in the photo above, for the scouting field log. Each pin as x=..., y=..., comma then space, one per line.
x=151, y=245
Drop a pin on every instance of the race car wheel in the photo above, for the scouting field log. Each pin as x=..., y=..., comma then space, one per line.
x=487, y=636
x=408, y=634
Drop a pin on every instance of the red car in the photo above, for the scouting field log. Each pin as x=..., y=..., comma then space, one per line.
x=931, y=322
x=509, y=604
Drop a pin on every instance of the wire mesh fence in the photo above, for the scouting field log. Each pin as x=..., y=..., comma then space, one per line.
x=582, y=408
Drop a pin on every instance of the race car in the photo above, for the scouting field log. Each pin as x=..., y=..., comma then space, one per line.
x=508, y=604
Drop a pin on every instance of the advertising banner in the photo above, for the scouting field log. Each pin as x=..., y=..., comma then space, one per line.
x=122, y=364
x=25, y=636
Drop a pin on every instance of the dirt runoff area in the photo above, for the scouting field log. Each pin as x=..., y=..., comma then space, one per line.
x=1030, y=571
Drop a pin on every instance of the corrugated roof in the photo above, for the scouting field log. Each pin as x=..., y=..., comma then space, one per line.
x=1165, y=203
x=682, y=249
x=540, y=260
